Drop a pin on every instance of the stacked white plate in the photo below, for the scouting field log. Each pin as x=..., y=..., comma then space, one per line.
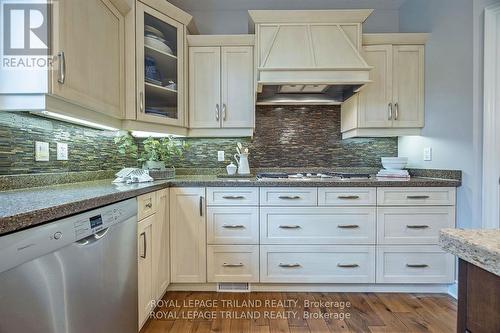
x=155, y=39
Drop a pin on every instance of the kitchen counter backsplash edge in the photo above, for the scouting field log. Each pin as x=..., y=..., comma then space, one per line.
x=21, y=181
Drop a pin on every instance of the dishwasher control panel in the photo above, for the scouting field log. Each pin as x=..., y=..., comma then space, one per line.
x=91, y=224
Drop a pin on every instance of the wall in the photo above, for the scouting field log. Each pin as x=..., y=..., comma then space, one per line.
x=286, y=137
x=236, y=22
x=89, y=149
x=452, y=114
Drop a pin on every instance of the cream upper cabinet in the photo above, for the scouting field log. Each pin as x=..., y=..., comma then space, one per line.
x=160, y=70
x=408, y=86
x=204, y=87
x=90, y=48
x=393, y=103
x=376, y=97
x=237, y=86
x=87, y=41
x=188, y=235
x=221, y=85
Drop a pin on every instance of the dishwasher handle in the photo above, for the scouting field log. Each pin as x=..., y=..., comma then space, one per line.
x=93, y=238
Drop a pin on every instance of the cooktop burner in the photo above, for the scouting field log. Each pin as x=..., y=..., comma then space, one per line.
x=312, y=175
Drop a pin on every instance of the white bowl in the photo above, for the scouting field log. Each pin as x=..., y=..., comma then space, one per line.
x=156, y=44
x=394, y=163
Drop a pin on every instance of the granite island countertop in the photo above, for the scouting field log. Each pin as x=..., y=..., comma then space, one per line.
x=24, y=208
x=478, y=247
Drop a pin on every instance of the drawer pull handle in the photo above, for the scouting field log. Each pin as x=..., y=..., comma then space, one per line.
x=417, y=226
x=233, y=265
x=233, y=197
x=289, y=197
x=347, y=265
x=417, y=197
x=289, y=265
x=348, y=226
x=149, y=205
x=233, y=226
x=348, y=197
x=290, y=226
x=417, y=265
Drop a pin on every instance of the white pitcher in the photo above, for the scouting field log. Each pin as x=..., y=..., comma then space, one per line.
x=243, y=167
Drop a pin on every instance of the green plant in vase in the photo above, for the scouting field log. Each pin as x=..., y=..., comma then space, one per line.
x=159, y=153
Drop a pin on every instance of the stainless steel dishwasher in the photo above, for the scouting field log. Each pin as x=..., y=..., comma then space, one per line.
x=78, y=274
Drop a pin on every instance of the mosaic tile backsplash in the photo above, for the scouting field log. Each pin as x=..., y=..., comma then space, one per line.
x=291, y=136
x=89, y=149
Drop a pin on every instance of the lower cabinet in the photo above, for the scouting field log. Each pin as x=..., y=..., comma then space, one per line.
x=414, y=264
x=145, y=268
x=188, y=235
x=153, y=251
x=317, y=264
x=233, y=263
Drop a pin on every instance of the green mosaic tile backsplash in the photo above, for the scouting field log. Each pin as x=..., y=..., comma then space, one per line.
x=290, y=136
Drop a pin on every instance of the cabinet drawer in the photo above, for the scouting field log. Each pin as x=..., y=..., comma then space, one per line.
x=233, y=196
x=413, y=225
x=288, y=196
x=147, y=204
x=414, y=264
x=339, y=196
x=416, y=196
x=318, y=225
x=233, y=225
x=233, y=263
x=317, y=264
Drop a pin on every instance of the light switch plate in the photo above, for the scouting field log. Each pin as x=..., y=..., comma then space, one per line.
x=220, y=156
x=428, y=154
x=41, y=151
x=62, y=151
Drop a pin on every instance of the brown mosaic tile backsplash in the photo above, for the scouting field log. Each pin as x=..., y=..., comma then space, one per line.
x=291, y=136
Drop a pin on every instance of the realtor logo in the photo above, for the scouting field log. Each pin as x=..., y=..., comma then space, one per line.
x=25, y=29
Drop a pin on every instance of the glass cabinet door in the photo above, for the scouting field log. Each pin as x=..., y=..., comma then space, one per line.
x=160, y=75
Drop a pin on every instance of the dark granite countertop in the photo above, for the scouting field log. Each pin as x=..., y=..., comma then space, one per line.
x=20, y=209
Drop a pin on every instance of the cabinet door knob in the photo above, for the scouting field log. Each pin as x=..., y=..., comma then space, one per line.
x=233, y=197
x=396, y=111
x=149, y=205
x=417, y=197
x=217, y=112
x=290, y=226
x=201, y=205
x=233, y=226
x=224, y=112
x=389, y=109
x=143, y=234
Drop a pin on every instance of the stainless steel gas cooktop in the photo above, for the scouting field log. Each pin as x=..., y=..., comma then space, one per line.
x=311, y=175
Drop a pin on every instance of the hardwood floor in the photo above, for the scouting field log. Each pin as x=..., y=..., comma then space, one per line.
x=201, y=312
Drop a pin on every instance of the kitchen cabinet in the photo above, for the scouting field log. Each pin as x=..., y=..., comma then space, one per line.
x=393, y=103
x=87, y=80
x=188, y=235
x=161, y=245
x=221, y=85
x=160, y=71
x=153, y=250
x=145, y=268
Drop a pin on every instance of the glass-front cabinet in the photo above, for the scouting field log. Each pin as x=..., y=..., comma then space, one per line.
x=160, y=67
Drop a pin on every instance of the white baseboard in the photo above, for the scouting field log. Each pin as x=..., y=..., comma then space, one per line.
x=320, y=287
x=453, y=290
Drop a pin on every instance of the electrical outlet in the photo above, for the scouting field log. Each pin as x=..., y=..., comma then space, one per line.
x=62, y=151
x=428, y=154
x=220, y=156
x=41, y=151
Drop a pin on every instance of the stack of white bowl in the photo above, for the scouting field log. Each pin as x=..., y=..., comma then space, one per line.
x=394, y=168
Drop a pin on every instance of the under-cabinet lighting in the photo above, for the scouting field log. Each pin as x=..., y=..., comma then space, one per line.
x=144, y=134
x=74, y=120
